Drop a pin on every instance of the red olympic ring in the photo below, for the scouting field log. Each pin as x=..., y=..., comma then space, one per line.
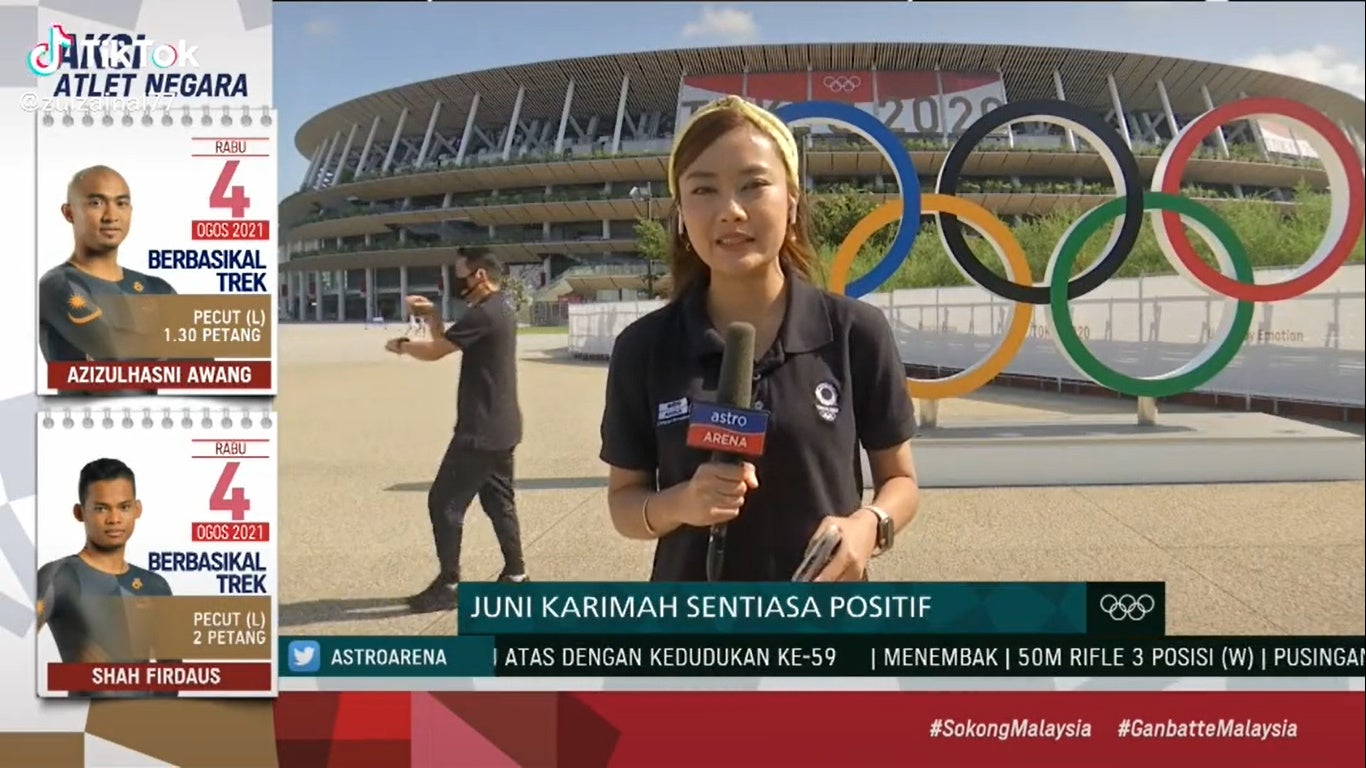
x=1322, y=266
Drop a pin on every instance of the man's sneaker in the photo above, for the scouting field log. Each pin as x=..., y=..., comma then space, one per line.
x=513, y=578
x=440, y=595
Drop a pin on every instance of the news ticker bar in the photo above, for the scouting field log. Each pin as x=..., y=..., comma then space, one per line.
x=1132, y=609
x=853, y=655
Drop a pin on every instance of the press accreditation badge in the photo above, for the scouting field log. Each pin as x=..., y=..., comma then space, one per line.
x=157, y=557
x=156, y=252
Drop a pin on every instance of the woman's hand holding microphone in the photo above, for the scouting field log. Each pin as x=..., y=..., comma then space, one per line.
x=715, y=493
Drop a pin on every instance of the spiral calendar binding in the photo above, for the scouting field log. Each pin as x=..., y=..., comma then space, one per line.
x=87, y=114
x=244, y=418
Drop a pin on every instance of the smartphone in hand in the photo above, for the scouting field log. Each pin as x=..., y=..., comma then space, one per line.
x=818, y=555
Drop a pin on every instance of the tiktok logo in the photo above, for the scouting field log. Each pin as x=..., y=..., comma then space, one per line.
x=46, y=58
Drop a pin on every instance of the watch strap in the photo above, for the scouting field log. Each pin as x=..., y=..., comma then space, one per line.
x=885, y=529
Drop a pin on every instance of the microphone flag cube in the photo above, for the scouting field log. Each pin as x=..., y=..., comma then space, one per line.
x=727, y=429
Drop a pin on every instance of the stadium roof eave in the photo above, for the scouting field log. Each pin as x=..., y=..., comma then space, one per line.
x=655, y=76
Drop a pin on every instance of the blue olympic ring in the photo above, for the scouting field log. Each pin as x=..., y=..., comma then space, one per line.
x=890, y=145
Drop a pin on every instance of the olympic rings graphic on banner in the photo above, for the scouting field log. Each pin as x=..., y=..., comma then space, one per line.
x=842, y=83
x=1233, y=281
x=1130, y=607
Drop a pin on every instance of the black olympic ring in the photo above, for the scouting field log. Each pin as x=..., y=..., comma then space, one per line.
x=1131, y=222
x=1120, y=607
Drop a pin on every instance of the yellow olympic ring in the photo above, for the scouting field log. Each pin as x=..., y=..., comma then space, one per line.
x=971, y=379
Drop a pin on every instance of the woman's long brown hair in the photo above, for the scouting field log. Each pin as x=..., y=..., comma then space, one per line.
x=686, y=269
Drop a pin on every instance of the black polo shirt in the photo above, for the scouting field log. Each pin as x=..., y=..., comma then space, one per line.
x=488, y=415
x=833, y=379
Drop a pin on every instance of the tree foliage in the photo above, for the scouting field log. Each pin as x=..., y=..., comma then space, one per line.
x=517, y=292
x=652, y=242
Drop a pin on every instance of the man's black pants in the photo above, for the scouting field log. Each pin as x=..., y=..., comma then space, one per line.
x=463, y=475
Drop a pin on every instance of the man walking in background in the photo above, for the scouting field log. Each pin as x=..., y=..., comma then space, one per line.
x=479, y=459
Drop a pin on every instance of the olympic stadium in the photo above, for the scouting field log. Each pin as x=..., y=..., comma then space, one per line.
x=554, y=165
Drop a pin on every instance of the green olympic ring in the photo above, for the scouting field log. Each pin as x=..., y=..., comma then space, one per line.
x=1224, y=344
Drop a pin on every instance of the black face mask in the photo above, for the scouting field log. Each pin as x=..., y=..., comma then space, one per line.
x=464, y=286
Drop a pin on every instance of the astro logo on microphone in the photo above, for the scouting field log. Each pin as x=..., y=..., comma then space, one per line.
x=730, y=430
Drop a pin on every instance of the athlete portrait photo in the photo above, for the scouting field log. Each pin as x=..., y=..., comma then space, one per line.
x=83, y=598
x=83, y=311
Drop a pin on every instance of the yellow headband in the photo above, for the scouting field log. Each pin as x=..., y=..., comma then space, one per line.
x=761, y=118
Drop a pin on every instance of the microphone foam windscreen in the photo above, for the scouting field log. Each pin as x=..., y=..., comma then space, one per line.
x=737, y=367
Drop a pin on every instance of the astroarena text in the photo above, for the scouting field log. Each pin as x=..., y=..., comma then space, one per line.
x=417, y=658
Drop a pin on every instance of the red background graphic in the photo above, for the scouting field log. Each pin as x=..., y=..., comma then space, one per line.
x=783, y=87
x=716, y=83
x=717, y=730
x=711, y=729
x=907, y=85
x=965, y=81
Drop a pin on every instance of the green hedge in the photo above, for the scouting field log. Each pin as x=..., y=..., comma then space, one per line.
x=1275, y=235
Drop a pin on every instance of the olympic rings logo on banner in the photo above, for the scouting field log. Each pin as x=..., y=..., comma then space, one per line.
x=1122, y=607
x=842, y=83
x=1233, y=281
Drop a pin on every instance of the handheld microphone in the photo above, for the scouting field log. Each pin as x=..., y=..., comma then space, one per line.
x=729, y=427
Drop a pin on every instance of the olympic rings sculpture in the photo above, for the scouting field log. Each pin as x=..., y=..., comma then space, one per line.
x=1233, y=281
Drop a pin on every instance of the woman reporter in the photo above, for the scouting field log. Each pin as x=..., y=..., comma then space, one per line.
x=828, y=371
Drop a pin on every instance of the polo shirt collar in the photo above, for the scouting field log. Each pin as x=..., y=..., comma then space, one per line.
x=806, y=321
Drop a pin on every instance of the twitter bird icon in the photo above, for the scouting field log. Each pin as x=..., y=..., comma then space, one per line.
x=304, y=656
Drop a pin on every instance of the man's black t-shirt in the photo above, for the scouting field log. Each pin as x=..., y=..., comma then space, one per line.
x=81, y=317
x=488, y=415
x=91, y=613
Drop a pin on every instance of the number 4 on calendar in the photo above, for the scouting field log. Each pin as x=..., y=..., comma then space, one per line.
x=229, y=498
x=226, y=195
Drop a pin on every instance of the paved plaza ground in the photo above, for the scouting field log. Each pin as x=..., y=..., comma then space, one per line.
x=362, y=433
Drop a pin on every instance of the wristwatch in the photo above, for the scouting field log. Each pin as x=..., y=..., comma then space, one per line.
x=886, y=531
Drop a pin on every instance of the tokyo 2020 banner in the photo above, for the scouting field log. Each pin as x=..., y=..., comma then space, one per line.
x=1233, y=281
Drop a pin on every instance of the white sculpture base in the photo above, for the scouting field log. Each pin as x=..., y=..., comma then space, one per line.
x=1091, y=449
